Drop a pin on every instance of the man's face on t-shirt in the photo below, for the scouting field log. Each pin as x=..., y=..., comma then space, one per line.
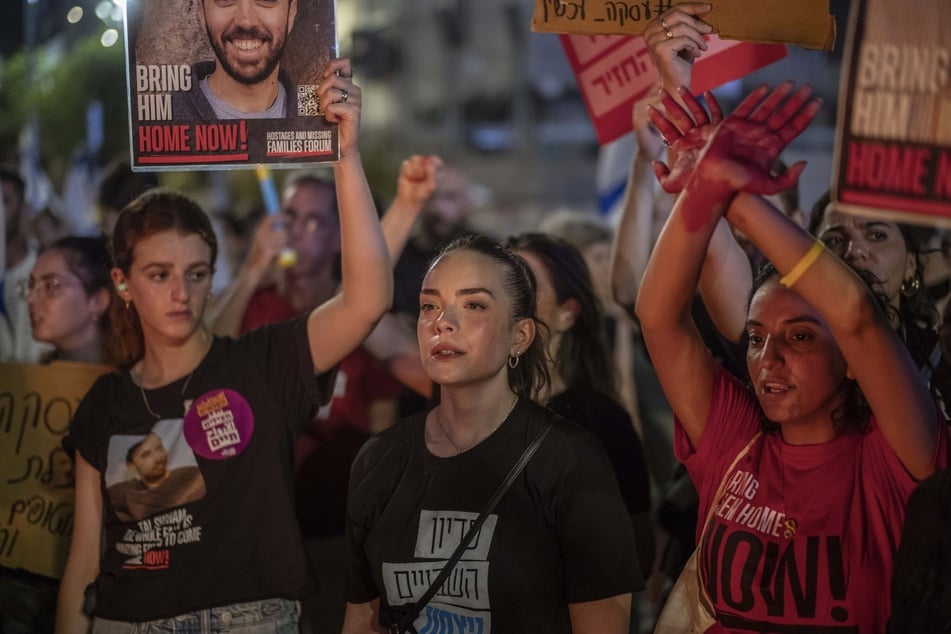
x=248, y=36
x=150, y=458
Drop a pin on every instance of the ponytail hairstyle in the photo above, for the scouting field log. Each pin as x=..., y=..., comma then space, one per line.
x=583, y=358
x=530, y=376
x=155, y=211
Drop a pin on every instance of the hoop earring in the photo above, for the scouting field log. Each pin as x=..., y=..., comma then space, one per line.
x=910, y=288
x=514, y=364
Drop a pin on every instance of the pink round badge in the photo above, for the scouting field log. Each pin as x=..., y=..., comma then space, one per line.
x=219, y=424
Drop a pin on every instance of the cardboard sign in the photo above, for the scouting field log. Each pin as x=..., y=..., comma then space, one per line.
x=209, y=91
x=614, y=71
x=36, y=476
x=893, y=134
x=806, y=23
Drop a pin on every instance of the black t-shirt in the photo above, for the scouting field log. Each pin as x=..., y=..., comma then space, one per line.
x=248, y=399
x=920, y=592
x=607, y=419
x=560, y=535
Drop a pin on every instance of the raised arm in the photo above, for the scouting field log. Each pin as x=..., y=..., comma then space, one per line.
x=269, y=238
x=393, y=341
x=726, y=277
x=634, y=233
x=673, y=273
x=415, y=184
x=673, y=56
x=675, y=40
x=340, y=324
x=877, y=358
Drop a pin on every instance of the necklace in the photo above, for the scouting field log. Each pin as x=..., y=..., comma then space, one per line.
x=145, y=400
x=459, y=449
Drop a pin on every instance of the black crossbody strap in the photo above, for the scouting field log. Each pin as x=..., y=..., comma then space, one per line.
x=417, y=607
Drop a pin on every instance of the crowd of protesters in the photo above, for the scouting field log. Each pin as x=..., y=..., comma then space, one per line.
x=412, y=425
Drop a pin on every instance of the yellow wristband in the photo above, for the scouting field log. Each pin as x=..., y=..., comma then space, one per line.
x=803, y=265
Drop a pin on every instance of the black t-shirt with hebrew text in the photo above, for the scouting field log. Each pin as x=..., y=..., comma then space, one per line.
x=560, y=535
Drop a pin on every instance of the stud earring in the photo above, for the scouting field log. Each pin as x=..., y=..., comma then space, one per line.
x=121, y=287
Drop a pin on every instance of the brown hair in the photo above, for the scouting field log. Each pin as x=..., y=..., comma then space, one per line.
x=530, y=376
x=88, y=259
x=153, y=212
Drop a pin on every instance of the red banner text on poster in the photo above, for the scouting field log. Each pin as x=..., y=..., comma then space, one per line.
x=893, y=132
x=614, y=71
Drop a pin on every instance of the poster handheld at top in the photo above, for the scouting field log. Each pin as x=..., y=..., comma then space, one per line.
x=287, y=257
x=199, y=101
x=893, y=133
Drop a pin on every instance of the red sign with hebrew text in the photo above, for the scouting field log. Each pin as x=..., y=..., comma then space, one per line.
x=614, y=71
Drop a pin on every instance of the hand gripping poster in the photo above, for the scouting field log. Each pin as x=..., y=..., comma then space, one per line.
x=893, y=145
x=218, y=84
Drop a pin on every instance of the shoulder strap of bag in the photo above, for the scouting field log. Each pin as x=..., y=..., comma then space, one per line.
x=704, y=595
x=726, y=474
x=407, y=622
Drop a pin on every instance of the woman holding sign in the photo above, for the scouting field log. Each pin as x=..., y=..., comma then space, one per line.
x=803, y=479
x=227, y=411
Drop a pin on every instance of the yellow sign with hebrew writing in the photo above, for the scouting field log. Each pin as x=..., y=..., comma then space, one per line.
x=805, y=23
x=36, y=476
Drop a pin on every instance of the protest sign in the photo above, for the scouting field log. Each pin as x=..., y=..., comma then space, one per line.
x=36, y=476
x=615, y=71
x=210, y=91
x=805, y=23
x=893, y=134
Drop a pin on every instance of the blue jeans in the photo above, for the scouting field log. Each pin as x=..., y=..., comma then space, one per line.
x=270, y=616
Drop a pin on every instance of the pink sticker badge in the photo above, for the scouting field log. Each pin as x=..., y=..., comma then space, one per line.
x=219, y=424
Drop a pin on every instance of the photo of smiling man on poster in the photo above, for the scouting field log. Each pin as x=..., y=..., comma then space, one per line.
x=245, y=80
x=227, y=83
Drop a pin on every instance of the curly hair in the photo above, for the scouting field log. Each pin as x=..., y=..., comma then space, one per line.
x=854, y=413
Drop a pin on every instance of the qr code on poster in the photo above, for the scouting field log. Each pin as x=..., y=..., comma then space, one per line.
x=308, y=105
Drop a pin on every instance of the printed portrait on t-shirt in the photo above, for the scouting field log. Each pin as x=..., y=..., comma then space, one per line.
x=151, y=473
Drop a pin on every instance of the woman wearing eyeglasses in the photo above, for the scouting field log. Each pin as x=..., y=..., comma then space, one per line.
x=68, y=294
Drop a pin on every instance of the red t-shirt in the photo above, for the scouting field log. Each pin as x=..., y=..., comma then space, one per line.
x=804, y=536
x=326, y=449
x=361, y=379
